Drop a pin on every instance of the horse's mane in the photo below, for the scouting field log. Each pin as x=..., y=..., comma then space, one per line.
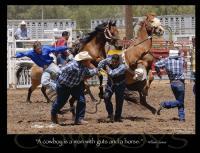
x=138, y=26
x=89, y=36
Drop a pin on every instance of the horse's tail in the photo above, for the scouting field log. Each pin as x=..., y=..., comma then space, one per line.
x=22, y=66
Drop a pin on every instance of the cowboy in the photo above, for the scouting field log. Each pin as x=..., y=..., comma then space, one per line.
x=62, y=56
x=115, y=84
x=174, y=66
x=70, y=82
x=41, y=56
x=22, y=33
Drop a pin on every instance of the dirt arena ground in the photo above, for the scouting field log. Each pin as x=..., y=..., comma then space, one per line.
x=34, y=118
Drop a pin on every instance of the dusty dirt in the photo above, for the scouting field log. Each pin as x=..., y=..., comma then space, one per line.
x=34, y=118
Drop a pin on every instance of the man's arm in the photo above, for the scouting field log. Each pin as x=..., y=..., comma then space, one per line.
x=53, y=49
x=159, y=64
x=90, y=72
x=22, y=54
x=117, y=71
x=103, y=63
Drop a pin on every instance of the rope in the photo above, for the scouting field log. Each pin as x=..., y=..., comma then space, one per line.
x=96, y=108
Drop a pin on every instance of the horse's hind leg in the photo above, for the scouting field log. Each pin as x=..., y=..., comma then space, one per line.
x=34, y=84
x=144, y=103
x=30, y=90
x=43, y=89
x=148, y=83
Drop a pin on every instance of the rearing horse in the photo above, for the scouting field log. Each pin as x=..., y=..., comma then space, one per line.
x=139, y=60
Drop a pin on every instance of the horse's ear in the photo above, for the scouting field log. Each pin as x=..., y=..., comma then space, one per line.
x=114, y=23
x=109, y=23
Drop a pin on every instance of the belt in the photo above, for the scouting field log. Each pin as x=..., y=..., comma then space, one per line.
x=177, y=81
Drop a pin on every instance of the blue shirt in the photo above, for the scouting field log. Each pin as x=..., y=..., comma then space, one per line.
x=174, y=67
x=22, y=34
x=73, y=73
x=112, y=72
x=42, y=59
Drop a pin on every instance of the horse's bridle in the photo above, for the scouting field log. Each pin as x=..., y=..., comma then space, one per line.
x=150, y=35
x=109, y=36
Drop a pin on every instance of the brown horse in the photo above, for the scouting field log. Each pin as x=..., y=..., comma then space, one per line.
x=93, y=42
x=139, y=59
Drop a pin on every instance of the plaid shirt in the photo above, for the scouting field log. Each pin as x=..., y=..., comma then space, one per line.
x=174, y=67
x=120, y=70
x=73, y=73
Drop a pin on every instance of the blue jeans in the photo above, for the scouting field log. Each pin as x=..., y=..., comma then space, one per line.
x=119, y=96
x=63, y=93
x=49, y=75
x=178, y=88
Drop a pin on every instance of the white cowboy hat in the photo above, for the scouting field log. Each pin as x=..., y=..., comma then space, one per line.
x=84, y=55
x=23, y=23
x=173, y=53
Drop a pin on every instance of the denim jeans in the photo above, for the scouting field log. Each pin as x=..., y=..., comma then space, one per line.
x=63, y=93
x=178, y=88
x=119, y=96
x=49, y=75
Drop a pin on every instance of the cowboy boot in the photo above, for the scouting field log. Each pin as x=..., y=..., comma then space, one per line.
x=54, y=119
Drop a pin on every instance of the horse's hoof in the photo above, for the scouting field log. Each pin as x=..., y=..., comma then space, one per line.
x=28, y=101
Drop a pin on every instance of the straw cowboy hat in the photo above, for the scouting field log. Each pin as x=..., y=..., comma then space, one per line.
x=23, y=23
x=84, y=55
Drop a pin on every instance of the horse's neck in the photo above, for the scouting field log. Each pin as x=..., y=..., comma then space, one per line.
x=94, y=47
x=143, y=35
x=134, y=53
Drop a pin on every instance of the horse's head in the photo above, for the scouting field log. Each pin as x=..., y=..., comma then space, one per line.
x=110, y=31
x=153, y=25
x=96, y=40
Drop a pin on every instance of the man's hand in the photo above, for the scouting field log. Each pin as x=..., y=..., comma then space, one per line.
x=107, y=68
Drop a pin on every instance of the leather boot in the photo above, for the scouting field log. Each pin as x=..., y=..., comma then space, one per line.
x=54, y=119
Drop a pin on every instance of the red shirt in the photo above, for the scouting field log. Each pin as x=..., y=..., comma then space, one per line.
x=61, y=42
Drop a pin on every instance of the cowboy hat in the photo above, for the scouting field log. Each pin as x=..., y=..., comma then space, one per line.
x=84, y=55
x=173, y=53
x=23, y=23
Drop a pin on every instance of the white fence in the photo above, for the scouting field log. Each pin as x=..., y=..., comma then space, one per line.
x=37, y=27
